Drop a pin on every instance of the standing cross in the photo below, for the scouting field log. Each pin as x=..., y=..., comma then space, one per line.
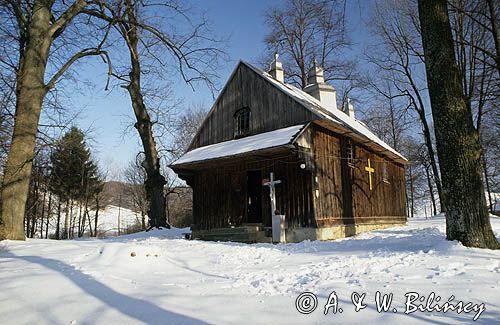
x=370, y=170
x=272, y=193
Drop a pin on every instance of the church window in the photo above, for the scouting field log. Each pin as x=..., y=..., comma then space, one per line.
x=385, y=176
x=242, y=122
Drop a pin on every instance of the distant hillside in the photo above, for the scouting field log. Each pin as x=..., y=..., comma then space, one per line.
x=116, y=194
x=179, y=201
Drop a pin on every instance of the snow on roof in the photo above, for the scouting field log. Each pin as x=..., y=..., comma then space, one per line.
x=315, y=106
x=260, y=141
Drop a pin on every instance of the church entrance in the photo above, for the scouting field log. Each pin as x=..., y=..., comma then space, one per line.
x=254, y=196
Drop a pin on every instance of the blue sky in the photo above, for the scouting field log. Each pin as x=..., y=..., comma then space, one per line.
x=108, y=113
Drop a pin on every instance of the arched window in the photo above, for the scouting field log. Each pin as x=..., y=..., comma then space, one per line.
x=242, y=122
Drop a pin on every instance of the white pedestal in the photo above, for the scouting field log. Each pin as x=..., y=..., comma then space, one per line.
x=278, y=222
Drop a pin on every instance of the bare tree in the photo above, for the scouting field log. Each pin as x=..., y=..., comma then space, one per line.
x=398, y=58
x=7, y=103
x=483, y=14
x=185, y=129
x=477, y=73
x=457, y=139
x=474, y=48
x=303, y=30
x=35, y=27
x=387, y=113
x=142, y=25
x=134, y=176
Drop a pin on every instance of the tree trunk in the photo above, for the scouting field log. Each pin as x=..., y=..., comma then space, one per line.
x=431, y=190
x=66, y=221
x=85, y=214
x=79, y=230
x=154, y=180
x=435, y=172
x=43, y=213
x=58, y=225
x=412, y=200
x=96, y=215
x=457, y=140
x=428, y=140
x=90, y=224
x=72, y=219
x=487, y=181
x=34, y=212
x=30, y=92
x=49, y=213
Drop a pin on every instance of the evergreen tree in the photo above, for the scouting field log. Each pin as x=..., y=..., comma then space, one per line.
x=74, y=176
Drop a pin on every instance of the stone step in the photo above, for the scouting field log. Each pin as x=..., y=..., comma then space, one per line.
x=235, y=237
x=238, y=239
x=246, y=233
x=253, y=226
x=223, y=233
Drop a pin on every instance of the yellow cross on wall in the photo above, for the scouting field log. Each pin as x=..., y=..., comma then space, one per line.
x=370, y=170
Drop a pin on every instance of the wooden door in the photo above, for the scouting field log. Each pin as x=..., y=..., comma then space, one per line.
x=254, y=196
x=238, y=197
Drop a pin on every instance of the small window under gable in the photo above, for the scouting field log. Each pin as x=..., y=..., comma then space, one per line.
x=385, y=176
x=242, y=122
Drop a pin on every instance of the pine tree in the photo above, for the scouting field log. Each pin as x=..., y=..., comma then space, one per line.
x=74, y=173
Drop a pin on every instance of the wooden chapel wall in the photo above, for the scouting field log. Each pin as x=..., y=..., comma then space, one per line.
x=341, y=189
x=219, y=193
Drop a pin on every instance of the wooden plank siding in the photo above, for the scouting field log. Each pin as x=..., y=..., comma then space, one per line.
x=327, y=176
x=270, y=109
x=344, y=189
x=220, y=192
x=387, y=198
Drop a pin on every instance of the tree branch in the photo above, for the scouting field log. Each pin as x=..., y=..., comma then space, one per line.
x=74, y=58
x=62, y=22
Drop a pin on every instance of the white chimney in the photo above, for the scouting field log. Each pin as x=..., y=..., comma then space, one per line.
x=276, y=70
x=348, y=108
x=319, y=89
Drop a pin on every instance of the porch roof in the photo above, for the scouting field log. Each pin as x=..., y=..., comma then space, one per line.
x=267, y=140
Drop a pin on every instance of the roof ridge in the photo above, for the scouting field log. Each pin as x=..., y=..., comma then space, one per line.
x=343, y=119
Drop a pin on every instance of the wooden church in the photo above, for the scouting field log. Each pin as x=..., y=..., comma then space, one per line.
x=268, y=148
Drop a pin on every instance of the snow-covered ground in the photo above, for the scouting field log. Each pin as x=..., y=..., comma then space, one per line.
x=160, y=278
x=112, y=219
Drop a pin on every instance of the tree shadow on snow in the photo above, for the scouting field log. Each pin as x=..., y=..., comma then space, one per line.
x=417, y=316
x=141, y=310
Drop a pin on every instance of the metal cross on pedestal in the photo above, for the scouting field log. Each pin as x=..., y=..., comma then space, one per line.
x=272, y=194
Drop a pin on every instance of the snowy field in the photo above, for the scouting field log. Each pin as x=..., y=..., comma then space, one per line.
x=113, y=218
x=170, y=280
x=111, y=221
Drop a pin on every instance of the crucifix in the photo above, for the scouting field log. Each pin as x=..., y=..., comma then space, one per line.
x=370, y=170
x=272, y=194
x=278, y=221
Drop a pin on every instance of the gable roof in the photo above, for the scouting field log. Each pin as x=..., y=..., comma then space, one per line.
x=336, y=120
x=337, y=117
